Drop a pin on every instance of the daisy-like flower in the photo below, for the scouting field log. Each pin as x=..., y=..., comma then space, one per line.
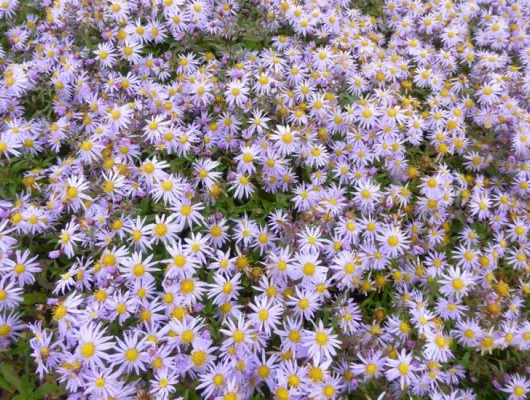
x=249, y=155
x=304, y=303
x=456, y=283
x=242, y=186
x=121, y=306
x=285, y=140
x=191, y=289
x=310, y=240
x=113, y=184
x=317, y=155
x=518, y=230
x=522, y=340
x=153, y=170
x=517, y=388
x=367, y=116
x=155, y=127
x=137, y=266
x=468, y=333
x=156, y=31
x=480, y=205
x=139, y=234
x=130, y=353
x=6, y=241
x=371, y=366
x=367, y=195
x=291, y=334
x=105, y=54
x=259, y=122
x=309, y=268
x=201, y=356
x=119, y=117
x=214, y=380
x=225, y=289
x=431, y=186
x=218, y=233
x=238, y=335
x=393, y=241
x=437, y=347
x=114, y=257
x=188, y=214
x=165, y=229
x=93, y=345
x=164, y=383
x=182, y=264
x=201, y=91
x=102, y=383
x=466, y=257
x=10, y=328
x=323, y=58
x=168, y=189
x=118, y=9
x=401, y=368
x=266, y=315
x=130, y=51
x=9, y=146
x=198, y=246
x=204, y=172
x=74, y=192
x=22, y=268
x=321, y=344
x=90, y=149
x=489, y=93
x=16, y=78
x=236, y=93
x=345, y=267
x=187, y=332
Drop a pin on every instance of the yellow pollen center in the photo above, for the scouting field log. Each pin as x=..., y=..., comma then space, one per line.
x=321, y=338
x=88, y=349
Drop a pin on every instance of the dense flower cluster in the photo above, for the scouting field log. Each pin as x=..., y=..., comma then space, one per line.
x=344, y=203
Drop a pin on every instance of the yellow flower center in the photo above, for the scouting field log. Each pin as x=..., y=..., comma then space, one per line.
x=321, y=338
x=238, y=336
x=132, y=355
x=198, y=358
x=393, y=241
x=309, y=269
x=88, y=349
x=160, y=230
x=263, y=315
x=371, y=369
x=458, y=284
x=5, y=330
x=403, y=368
x=19, y=269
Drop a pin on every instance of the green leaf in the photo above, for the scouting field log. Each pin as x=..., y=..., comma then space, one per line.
x=253, y=38
x=8, y=372
x=348, y=100
x=465, y=360
x=27, y=384
x=144, y=205
x=4, y=385
x=34, y=298
x=46, y=388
